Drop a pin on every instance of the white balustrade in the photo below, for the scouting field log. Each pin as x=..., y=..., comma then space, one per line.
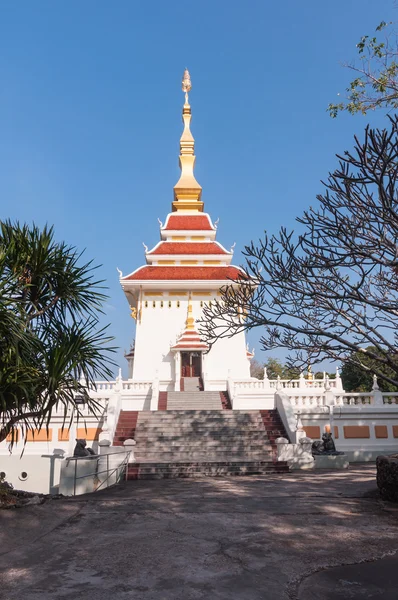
x=300, y=383
x=103, y=385
x=137, y=386
x=390, y=397
x=354, y=399
x=250, y=384
x=306, y=400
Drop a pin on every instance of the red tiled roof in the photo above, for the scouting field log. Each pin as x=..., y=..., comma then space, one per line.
x=190, y=340
x=185, y=273
x=187, y=222
x=188, y=248
x=193, y=346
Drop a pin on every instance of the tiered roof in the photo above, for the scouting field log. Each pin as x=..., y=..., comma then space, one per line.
x=184, y=273
x=196, y=248
x=187, y=250
x=178, y=222
x=190, y=339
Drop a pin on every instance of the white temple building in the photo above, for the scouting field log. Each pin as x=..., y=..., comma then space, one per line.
x=183, y=272
x=187, y=410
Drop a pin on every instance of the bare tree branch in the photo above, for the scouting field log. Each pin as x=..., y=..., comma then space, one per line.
x=330, y=291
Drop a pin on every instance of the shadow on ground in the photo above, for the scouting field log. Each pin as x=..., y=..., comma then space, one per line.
x=216, y=538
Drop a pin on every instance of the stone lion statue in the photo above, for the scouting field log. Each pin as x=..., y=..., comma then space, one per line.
x=81, y=449
x=325, y=445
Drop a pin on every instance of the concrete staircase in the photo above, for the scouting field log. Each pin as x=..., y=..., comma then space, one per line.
x=193, y=400
x=191, y=384
x=189, y=443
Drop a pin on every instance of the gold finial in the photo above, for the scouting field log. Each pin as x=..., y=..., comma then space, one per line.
x=186, y=84
x=187, y=191
x=309, y=373
x=190, y=322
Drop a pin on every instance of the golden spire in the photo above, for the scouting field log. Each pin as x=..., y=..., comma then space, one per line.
x=190, y=322
x=186, y=84
x=187, y=191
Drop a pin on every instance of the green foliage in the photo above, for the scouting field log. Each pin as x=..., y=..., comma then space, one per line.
x=376, y=84
x=357, y=373
x=276, y=368
x=50, y=345
x=256, y=369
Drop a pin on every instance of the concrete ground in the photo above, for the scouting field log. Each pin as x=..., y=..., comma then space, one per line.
x=297, y=536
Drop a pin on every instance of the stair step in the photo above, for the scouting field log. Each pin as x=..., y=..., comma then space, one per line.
x=165, y=446
x=197, y=440
x=166, y=470
x=199, y=430
x=219, y=456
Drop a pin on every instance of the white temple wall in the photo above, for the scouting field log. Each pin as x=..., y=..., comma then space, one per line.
x=228, y=358
x=38, y=473
x=158, y=330
x=155, y=333
x=361, y=432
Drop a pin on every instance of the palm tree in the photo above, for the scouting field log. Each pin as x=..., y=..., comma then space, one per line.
x=51, y=346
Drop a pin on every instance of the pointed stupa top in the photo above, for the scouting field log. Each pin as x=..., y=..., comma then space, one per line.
x=187, y=191
x=190, y=322
x=190, y=339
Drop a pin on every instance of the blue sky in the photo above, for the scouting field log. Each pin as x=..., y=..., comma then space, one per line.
x=90, y=117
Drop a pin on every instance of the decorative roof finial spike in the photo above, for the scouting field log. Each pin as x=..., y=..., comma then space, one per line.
x=190, y=322
x=186, y=84
x=187, y=191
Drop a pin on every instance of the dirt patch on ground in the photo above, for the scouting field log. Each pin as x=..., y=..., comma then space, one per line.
x=217, y=538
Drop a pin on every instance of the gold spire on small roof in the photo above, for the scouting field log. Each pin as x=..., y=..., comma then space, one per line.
x=187, y=191
x=190, y=322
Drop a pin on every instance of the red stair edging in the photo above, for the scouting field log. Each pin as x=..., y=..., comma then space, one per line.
x=162, y=401
x=126, y=425
x=274, y=427
x=225, y=401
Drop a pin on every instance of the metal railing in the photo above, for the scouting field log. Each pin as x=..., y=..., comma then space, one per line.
x=121, y=470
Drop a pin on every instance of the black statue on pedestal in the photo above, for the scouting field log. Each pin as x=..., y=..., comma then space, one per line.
x=81, y=450
x=325, y=446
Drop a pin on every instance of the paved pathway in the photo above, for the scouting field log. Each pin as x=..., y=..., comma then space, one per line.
x=275, y=538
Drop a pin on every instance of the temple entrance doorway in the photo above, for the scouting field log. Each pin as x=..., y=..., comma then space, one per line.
x=191, y=364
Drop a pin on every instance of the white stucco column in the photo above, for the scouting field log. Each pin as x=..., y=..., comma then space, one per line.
x=204, y=373
x=177, y=367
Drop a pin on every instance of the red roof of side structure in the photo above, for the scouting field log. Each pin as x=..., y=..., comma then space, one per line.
x=190, y=339
x=185, y=273
x=188, y=222
x=188, y=248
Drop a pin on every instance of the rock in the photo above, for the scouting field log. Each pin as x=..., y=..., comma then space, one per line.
x=6, y=486
x=387, y=477
x=35, y=500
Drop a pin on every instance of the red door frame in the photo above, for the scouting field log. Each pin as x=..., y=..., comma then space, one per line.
x=191, y=364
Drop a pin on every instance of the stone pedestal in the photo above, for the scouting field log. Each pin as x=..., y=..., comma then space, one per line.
x=324, y=461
